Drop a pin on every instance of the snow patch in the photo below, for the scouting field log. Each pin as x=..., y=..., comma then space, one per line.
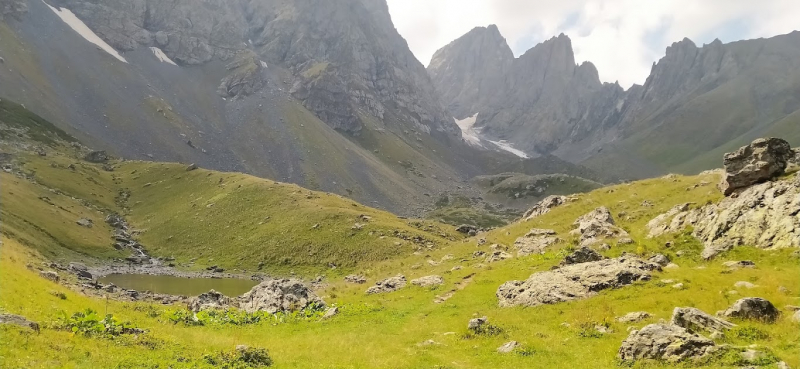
x=264, y=64
x=468, y=132
x=505, y=146
x=70, y=19
x=161, y=56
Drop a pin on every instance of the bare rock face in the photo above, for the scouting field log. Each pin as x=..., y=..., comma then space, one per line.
x=544, y=206
x=211, y=300
x=355, y=278
x=664, y=342
x=19, y=321
x=574, y=281
x=633, y=317
x=765, y=215
x=596, y=226
x=13, y=8
x=428, y=281
x=246, y=75
x=695, y=319
x=536, y=242
x=388, y=285
x=582, y=255
x=763, y=159
x=752, y=308
x=279, y=295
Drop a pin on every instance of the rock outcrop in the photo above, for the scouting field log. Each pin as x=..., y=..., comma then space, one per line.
x=760, y=161
x=596, y=226
x=582, y=255
x=13, y=8
x=544, y=206
x=211, y=300
x=390, y=284
x=695, y=319
x=664, y=342
x=574, y=281
x=752, y=308
x=633, y=317
x=19, y=321
x=765, y=215
x=536, y=241
x=279, y=295
x=428, y=281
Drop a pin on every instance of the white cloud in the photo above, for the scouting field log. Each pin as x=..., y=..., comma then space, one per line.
x=621, y=37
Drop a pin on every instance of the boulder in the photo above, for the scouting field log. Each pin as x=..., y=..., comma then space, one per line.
x=574, y=282
x=695, y=319
x=355, y=278
x=85, y=222
x=477, y=324
x=664, y=342
x=49, y=275
x=536, y=241
x=331, y=312
x=739, y=264
x=388, y=285
x=428, y=281
x=636, y=316
x=191, y=167
x=98, y=157
x=497, y=255
x=659, y=259
x=467, y=229
x=18, y=320
x=211, y=300
x=279, y=295
x=760, y=161
x=753, y=308
x=796, y=316
x=596, y=226
x=544, y=206
x=508, y=347
x=582, y=255
x=80, y=270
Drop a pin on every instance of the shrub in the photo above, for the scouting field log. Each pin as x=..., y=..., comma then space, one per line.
x=242, y=357
x=88, y=323
x=749, y=334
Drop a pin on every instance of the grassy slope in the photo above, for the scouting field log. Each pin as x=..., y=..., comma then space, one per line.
x=384, y=331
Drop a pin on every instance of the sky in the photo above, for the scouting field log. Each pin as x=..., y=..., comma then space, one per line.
x=621, y=37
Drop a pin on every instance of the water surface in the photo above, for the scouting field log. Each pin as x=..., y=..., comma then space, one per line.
x=172, y=285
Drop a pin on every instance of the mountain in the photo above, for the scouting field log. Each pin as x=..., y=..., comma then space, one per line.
x=324, y=95
x=697, y=103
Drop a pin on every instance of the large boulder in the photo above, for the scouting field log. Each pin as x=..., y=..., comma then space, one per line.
x=536, y=242
x=763, y=159
x=211, y=300
x=390, y=284
x=19, y=321
x=596, y=226
x=574, y=281
x=582, y=255
x=428, y=281
x=763, y=215
x=753, y=308
x=98, y=157
x=544, y=206
x=664, y=342
x=695, y=319
x=279, y=295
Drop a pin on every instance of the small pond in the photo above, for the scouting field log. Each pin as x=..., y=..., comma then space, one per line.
x=172, y=285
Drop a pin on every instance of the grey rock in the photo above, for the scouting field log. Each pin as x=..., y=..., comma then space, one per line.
x=752, y=308
x=739, y=264
x=508, y=347
x=573, y=282
x=13, y=9
x=477, y=324
x=19, y=321
x=497, y=255
x=544, y=206
x=211, y=300
x=388, y=285
x=796, y=317
x=428, y=281
x=279, y=295
x=582, y=255
x=330, y=313
x=634, y=317
x=80, y=270
x=762, y=215
x=659, y=259
x=98, y=157
x=49, y=275
x=744, y=284
x=695, y=319
x=355, y=278
x=597, y=226
x=84, y=222
x=536, y=241
x=761, y=160
x=191, y=167
x=752, y=356
x=664, y=342
x=783, y=365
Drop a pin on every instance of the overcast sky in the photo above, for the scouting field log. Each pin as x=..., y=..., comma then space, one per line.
x=621, y=37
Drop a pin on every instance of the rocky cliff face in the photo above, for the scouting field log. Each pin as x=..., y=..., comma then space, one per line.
x=537, y=101
x=471, y=69
x=697, y=103
x=344, y=57
x=12, y=8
